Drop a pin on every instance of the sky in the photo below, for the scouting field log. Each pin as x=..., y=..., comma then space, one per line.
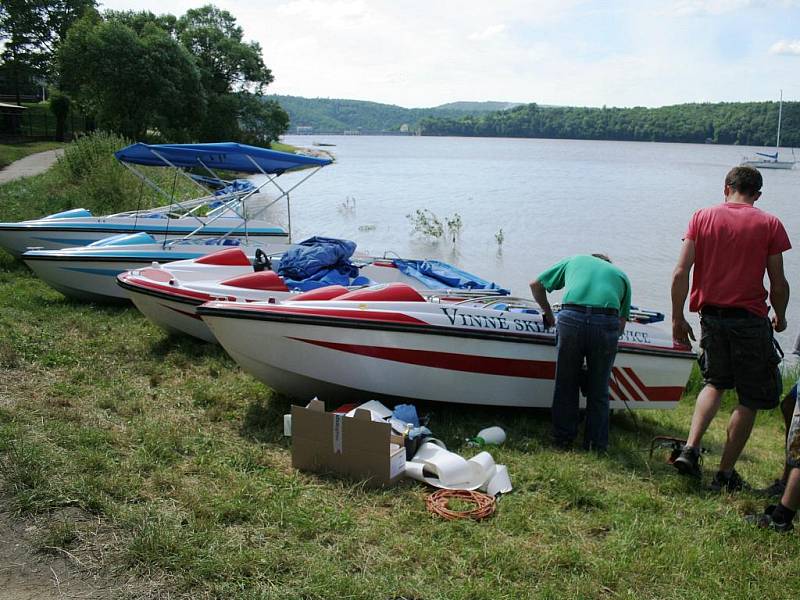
x=422, y=53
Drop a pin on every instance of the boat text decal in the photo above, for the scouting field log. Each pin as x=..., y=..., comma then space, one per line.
x=486, y=322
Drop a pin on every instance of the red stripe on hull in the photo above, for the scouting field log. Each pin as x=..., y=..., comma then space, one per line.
x=363, y=315
x=508, y=367
x=632, y=391
x=183, y=312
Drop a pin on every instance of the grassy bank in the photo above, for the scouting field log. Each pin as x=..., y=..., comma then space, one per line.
x=11, y=152
x=179, y=457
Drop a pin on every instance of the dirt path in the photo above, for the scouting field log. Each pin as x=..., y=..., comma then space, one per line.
x=27, y=575
x=30, y=165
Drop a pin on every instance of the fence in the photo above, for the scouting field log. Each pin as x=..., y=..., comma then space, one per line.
x=37, y=125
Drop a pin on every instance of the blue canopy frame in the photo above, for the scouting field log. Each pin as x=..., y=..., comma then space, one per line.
x=229, y=156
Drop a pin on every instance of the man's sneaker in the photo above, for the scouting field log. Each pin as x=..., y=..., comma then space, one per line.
x=765, y=521
x=773, y=490
x=729, y=483
x=688, y=462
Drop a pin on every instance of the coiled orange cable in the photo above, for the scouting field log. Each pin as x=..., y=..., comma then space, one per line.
x=437, y=503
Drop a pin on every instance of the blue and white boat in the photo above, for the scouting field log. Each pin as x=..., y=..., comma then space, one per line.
x=89, y=272
x=223, y=207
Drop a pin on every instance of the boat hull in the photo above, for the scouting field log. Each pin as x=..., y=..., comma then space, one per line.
x=767, y=164
x=343, y=362
x=55, y=234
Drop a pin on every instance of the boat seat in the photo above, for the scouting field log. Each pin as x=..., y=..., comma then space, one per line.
x=329, y=292
x=232, y=257
x=262, y=280
x=389, y=292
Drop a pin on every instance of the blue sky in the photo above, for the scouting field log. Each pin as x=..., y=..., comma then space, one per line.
x=568, y=52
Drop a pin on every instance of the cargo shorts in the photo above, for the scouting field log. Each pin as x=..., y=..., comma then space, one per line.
x=740, y=353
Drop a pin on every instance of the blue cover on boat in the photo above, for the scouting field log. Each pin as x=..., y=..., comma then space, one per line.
x=124, y=239
x=319, y=261
x=236, y=186
x=438, y=275
x=226, y=155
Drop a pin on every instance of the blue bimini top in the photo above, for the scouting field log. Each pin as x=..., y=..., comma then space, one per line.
x=229, y=156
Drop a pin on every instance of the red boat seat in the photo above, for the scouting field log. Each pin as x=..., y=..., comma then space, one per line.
x=232, y=257
x=268, y=281
x=390, y=292
x=329, y=292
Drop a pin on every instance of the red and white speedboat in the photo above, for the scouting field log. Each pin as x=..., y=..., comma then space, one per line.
x=169, y=294
x=391, y=341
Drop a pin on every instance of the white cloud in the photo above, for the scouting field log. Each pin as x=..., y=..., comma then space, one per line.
x=791, y=48
x=488, y=33
x=693, y=8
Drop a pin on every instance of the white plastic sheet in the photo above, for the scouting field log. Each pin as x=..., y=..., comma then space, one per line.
x=441, y=468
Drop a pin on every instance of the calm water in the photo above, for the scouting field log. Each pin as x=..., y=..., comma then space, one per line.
x=552, y=198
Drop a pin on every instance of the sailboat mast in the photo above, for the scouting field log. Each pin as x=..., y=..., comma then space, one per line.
x=780, y=113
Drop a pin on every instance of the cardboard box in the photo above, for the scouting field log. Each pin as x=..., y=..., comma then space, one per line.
x=354, y=446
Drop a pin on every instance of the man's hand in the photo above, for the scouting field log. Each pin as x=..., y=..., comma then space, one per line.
x=548, y=319
x=778, y=323
x=682, y=331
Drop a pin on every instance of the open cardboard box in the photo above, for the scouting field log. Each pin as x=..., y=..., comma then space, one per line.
x=354, y=446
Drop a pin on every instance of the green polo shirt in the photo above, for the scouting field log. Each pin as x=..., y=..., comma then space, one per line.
x=590, y=281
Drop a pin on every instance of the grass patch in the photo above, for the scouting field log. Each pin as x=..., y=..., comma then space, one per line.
x=11, y=152
x=180, y=455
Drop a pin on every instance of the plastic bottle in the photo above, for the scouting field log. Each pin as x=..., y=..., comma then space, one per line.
x=492, y=436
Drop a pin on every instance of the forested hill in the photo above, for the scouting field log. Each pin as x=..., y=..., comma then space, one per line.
x=336, y=116
x=748, y=123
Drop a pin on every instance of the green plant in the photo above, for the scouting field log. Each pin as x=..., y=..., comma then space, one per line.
x=426, y=223
x=454, y=225
x=499, y=237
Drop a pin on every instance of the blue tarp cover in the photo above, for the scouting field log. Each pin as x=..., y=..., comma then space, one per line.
x=320, y=261
x=438, y=275
x=225, y=155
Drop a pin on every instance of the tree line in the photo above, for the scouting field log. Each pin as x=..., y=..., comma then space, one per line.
x=747, y=123
x=148, y=77
x=337, y=115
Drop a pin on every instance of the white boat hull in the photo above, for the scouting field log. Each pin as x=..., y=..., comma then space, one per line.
x=91, y=273
x=306, y=360
x=769, y=164
x=55, y=234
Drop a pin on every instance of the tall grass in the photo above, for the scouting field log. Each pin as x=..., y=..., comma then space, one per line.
x=89, y=176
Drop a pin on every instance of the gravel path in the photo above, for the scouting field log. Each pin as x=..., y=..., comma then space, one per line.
x=30, y=165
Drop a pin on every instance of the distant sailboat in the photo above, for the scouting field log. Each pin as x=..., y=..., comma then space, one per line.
x=770, y=161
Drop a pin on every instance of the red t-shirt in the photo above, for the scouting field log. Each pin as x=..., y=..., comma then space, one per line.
x=732, y=242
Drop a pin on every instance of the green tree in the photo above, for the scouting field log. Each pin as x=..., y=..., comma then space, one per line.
x=31, y=31
x=135, y=84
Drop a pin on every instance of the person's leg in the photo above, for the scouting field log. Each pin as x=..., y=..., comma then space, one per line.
x=791, y=497
x=600, y=353
x=787, y=410
x=739, y=428
x=705, y=409
x=569, y=362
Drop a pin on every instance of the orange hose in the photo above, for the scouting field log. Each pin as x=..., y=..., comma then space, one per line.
x=437, y=503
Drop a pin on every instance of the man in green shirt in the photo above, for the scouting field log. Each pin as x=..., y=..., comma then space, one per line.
x=593, y=313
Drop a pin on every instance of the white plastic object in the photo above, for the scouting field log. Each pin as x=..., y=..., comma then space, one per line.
x=287, y=425
x=491, y=435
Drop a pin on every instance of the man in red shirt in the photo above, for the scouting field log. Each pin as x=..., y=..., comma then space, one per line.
x=731, y=245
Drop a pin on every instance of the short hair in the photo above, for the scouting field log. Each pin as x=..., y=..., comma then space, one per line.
x=745, y=180
x=602, y=257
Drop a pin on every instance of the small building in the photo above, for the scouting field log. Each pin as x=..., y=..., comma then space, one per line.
x=11, y=119
x=305, y=130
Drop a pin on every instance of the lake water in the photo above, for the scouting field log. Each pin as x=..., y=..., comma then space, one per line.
x=551, y=198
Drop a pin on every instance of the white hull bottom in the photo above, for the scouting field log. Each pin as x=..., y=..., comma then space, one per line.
x=174, y=317
x=346, y=363
x=89, y=281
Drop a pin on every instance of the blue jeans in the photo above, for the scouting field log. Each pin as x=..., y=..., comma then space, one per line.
x=589, y=337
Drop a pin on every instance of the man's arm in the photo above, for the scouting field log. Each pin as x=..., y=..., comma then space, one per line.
x=778, y=291
x=540, y=295
x=681, y=330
